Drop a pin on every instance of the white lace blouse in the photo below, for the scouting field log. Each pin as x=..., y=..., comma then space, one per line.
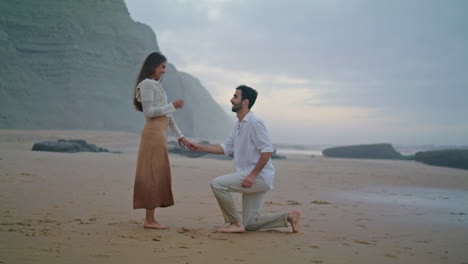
x=154, y=100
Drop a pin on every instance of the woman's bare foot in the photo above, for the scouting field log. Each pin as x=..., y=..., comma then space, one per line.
x=232, y=228
x=293, y=218
x=154, y=225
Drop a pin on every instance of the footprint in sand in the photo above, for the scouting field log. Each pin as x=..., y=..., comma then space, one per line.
x=423, y=241
x=183, y=230
x=288, y=202
x=272, y=203
x=362, y=242
x=320, y=202
x=292, y=202
x=126, y=236
x=217, y=236
x=363, y=220
x=188, y=232
x=102, y=256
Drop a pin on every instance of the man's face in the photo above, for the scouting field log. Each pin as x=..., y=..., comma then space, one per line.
x=236, y=101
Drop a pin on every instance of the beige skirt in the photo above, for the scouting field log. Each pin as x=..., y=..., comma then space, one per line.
x=153, y=173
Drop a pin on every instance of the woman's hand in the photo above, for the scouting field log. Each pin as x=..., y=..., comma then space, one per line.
x=178, y=104
x=182, y=142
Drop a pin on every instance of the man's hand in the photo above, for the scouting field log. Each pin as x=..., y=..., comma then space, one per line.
x=214, y=149
x=192, y=146
x=248, y=181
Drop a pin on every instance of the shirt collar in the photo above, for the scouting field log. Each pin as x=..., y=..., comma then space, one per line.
x=247, y=116
x=153, y=80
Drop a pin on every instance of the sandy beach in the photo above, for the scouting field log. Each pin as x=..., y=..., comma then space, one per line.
x=77, y=208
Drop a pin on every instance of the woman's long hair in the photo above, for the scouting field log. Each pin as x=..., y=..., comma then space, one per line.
x=151, y=62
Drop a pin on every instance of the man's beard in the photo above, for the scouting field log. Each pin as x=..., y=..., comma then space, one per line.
x=236, y=107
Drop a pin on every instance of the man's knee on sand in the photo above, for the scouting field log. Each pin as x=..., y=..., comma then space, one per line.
x=215, y=184
x=252, y=226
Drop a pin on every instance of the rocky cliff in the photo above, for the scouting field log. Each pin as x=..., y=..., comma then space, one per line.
x=72, y=64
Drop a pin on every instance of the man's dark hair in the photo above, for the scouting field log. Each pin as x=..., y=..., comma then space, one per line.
x=248, y=93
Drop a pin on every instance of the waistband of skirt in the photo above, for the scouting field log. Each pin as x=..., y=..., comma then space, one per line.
x=156, y=118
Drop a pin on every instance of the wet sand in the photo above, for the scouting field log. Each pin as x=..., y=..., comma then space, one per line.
x=77, y=208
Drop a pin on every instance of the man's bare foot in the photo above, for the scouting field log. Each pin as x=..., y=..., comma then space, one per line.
x=232, y=228
x=293, y=218
x=154, y=225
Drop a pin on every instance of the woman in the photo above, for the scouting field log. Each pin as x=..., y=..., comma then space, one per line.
x=153, y=174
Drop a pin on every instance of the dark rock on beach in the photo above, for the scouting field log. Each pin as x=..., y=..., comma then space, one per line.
x=276, y=156
x=371, y=151
x=69, y=146
x=454, y=158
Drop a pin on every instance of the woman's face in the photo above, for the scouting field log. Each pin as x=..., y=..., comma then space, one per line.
x=159, y=71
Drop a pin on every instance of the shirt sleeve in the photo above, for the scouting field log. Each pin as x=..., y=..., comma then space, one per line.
x=175, y=129
x=147, y=96
x=260, y=137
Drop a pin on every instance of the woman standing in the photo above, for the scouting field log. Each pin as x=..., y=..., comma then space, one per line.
x=153, y=173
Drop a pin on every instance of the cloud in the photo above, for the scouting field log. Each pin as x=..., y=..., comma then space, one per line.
x=398, y=61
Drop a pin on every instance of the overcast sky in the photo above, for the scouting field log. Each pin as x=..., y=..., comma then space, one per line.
x=327, y=72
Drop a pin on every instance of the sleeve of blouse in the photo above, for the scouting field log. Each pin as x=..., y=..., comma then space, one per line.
x=147, y=97
x=175, y=129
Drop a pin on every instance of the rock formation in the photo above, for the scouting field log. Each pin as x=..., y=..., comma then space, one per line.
x=455, y=158
x=72, y=64
x=371, y=151
x=69, y=146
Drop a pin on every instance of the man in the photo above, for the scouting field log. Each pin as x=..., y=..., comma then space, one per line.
x=254, y=174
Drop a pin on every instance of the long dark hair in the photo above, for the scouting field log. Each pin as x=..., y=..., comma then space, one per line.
x=147, y=69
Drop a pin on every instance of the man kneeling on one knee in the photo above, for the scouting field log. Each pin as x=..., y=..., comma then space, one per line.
x=255, y=173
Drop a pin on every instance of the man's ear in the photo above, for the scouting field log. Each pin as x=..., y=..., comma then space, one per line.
x=246, y=102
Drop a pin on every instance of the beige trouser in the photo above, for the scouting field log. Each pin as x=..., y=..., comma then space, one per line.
x=252, y=202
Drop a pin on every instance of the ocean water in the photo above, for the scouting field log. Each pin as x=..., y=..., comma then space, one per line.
x=302, y=152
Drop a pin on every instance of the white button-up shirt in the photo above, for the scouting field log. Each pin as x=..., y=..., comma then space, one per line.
x=248, y=140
